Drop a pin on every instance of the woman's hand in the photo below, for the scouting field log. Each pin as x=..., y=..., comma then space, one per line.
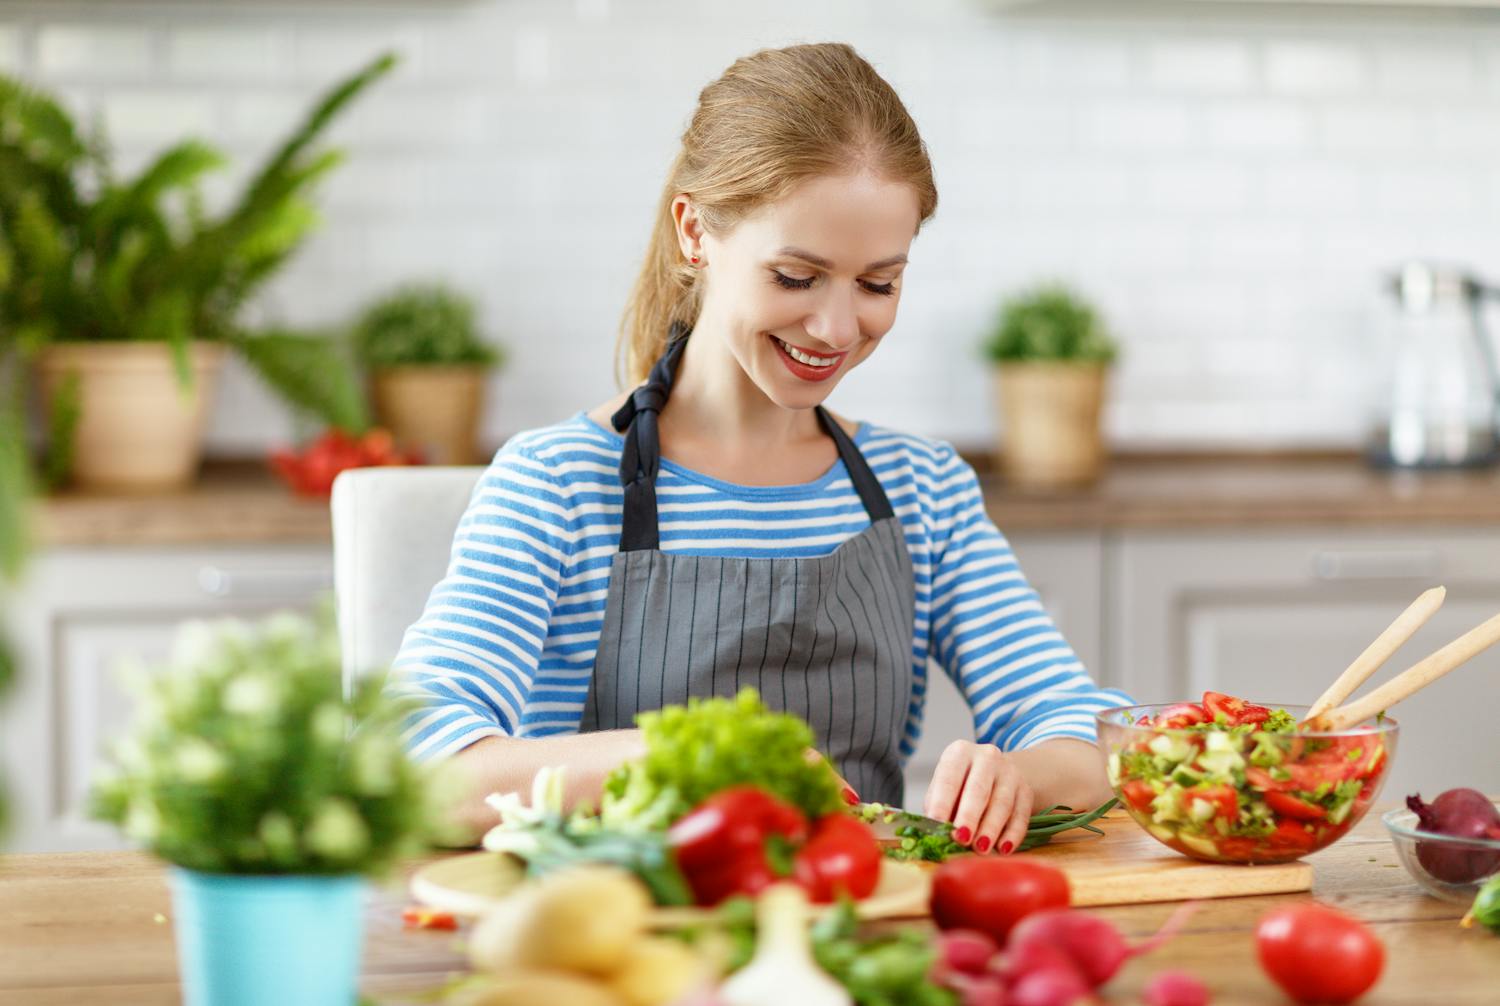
x=984, y=794
x=813, y=756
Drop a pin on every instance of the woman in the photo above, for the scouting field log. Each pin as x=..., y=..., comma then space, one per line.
x=717, y=528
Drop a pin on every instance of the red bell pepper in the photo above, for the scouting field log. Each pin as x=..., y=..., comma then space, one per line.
x=841, y=858
x=728, y=843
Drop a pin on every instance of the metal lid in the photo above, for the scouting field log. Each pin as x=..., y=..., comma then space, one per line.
x=1420, y=287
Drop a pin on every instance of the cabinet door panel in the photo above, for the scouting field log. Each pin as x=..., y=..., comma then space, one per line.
x=79, y=614
x=1260, y=616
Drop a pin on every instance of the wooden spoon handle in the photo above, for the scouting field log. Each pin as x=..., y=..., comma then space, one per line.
x=1377, y=653
x=1413, y=679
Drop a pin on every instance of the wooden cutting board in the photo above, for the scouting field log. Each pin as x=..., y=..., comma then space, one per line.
x=1126, y=866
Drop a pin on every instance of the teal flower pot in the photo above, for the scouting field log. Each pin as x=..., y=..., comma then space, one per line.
x=256, y=940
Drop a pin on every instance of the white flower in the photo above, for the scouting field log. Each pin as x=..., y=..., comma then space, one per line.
x=142, y=822
x=337, y=831
x=372, y=765
x=279, y=835
x=328, y=724
x=198, y=761
x=253, y=695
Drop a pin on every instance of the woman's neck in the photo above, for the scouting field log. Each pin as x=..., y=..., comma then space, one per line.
x=714, y=401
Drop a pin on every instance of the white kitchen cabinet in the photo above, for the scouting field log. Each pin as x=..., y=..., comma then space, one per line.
x=1064, y=567
x=76, y=616
x=1276, y=615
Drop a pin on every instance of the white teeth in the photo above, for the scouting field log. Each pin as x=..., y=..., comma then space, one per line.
x=807, y=358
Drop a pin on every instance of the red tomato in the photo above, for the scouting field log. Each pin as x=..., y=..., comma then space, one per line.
x=1289, y=805
x=1234, y=710
x=993, y=894
x=1237, y=848
x=1184, y=714
x=1318, y=955
x=842, y=857
x=1261, y=780
x=1138, y=794
x=1290, y=835
x=1221, y=796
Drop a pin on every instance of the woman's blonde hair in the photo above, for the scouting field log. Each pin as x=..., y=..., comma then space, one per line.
x=776, y=118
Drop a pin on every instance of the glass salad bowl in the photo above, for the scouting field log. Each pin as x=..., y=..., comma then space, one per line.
x=1445, y=866
x=1228, y=781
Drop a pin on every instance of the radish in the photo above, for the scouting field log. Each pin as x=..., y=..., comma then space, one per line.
x=1050, y=987
x=1094, y=947
x=1175, y=988
x=986, y=990
x=967, y=951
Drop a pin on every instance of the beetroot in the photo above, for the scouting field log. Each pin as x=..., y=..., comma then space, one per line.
x=1175, y=988
x=1459, y=813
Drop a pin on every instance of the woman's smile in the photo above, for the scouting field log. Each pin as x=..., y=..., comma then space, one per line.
x=805, y=365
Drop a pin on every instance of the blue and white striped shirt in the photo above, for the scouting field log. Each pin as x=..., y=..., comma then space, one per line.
x=506, y=644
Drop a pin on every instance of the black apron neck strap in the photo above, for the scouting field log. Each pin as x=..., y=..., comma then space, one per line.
x=877, y=504
x=640, y=460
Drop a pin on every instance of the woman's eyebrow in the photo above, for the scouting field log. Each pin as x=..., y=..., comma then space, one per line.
x=823, y=263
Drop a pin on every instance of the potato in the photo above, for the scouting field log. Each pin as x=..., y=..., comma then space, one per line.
x=584, y=919
x=658, y=971
x=537, y=988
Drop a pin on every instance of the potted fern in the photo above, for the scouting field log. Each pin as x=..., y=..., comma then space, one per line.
x=242, y=771
x=125, y=293
x=427, y=364
x=1052, y=356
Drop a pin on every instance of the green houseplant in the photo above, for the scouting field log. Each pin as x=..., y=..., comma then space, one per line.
x=1052, y=355
x=427, y=363
x=127, y=291
x=243, y=771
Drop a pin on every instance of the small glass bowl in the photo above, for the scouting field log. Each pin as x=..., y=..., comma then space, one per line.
x=1307, y=760
x=1464, y=863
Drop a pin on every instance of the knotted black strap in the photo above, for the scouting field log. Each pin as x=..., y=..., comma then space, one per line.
x=640, y=461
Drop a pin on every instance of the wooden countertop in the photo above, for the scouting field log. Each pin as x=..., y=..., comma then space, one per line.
x=81, y=928
x=242, y=503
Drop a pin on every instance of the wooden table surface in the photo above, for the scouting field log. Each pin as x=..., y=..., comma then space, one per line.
x=81, y=928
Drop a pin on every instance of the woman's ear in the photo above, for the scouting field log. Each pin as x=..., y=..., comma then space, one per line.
x=689, y=227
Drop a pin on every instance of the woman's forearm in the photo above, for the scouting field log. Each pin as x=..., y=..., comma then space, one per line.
x=508, y=765
x=1064, y=771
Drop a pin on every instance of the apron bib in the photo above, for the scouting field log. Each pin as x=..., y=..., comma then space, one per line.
x=828, y=638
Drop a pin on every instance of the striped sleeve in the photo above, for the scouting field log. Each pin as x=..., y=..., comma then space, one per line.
x=992, y=635
x=470, y=661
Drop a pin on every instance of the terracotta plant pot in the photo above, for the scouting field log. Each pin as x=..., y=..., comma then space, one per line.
x=434, y=410
x=1049, y=415
x=139, y=429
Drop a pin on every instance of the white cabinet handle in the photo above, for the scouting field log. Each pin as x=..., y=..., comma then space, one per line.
x=290, y=584
x=1388, y=564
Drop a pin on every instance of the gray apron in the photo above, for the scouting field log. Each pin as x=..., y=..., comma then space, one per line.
x=828, y=638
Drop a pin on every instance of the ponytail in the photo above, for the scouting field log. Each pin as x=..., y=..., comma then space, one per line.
x=666, y=291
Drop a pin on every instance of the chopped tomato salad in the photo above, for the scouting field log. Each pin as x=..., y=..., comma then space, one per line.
x=1231, y=781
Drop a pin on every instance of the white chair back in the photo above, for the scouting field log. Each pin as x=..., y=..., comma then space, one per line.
x=392, y=535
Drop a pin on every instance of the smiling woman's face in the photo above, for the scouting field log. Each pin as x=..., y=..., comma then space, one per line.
x=803, y=289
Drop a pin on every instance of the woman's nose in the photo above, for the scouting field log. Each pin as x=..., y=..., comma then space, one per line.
x=835, y=323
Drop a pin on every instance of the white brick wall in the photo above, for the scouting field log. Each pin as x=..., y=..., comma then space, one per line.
x=1228, y=188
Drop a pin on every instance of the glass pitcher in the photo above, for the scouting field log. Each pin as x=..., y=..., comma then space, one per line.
x=1441, y=402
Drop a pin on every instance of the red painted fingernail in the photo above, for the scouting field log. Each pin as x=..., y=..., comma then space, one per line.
x=961, y=836
x=850, y=797
x=983, y=844
x=1006, y=847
